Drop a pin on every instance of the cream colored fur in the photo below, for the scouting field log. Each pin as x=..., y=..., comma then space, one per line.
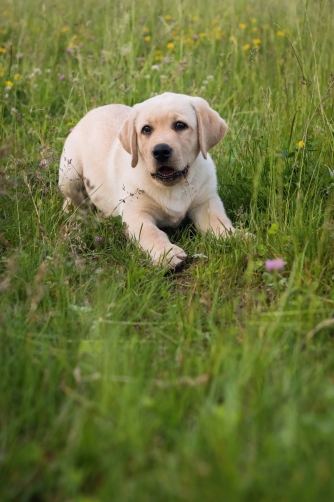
x=108, y=159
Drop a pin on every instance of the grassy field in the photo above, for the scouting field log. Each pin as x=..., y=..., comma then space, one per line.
x=120, y=382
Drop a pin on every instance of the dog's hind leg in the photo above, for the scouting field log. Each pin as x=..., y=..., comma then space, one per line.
x=71, y=180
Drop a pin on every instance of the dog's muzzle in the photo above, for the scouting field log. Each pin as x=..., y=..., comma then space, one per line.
x=166, y=173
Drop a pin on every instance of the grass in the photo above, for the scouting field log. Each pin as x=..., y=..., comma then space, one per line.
x=120, y=382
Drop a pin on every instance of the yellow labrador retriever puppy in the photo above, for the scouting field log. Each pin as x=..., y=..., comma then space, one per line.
x=149, y=164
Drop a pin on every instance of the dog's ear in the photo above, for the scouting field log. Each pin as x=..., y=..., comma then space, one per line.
x=128, y=138
x=211, y=127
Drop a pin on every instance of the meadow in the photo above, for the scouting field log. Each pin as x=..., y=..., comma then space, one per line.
x=121, y=382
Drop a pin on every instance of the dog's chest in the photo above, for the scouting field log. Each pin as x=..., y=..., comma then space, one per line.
x=171, y=212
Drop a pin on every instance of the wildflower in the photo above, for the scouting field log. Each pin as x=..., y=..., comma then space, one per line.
x=233, y=39
x=246, y=47
x=65, y=29
x=140, y=59
x=170, y=46
x=166, y=60
x=242, y=26
x=9, y=84
x=3, y=32
x=19, y=55
x=147, y=38
x=255, y=29
x=281, y=33
x=102, y=52
x=253, y=20
x=168, y=17
x=301, y=144
x=98, y=239
x=62, y=77
x=256, y=41
x=210, y=77
x=272, y=265
x=69, y=50
x=195, y=37
x=145, y=29
x=44, y=163
x=17, y=76
x=2, y=71
x=155, y=67
x=2, y=50
x=142, y=20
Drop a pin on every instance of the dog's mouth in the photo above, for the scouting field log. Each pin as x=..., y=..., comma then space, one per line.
x=167, y=173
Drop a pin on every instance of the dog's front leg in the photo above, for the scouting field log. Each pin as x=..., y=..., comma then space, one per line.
x=211, y=216
x=154, y=241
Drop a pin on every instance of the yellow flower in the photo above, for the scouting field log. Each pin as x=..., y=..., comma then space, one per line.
x=9, y=83
x=147, y=38
x=195, y=18
x=17, y=76
x=242, y=26
x=168, y=17
x=65, y=29
x=232, y=39
x=2, y=50
x=158, y=52
x=281, y=33
x=158, y=58
x=2, y=71
x=256, y=41
x=170, y=46
x=246, y=47
x=301, y=144
x=253, y=20
x=145, y=29
x=3, y=32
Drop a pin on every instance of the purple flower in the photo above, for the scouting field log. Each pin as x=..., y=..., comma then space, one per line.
x=195, y=37
x=142, y=20
x=62, y=77
x=277, y=264
x=44, y=163
x=140, y=60
x=98, y=239
x=20, y=55
x=69, y=50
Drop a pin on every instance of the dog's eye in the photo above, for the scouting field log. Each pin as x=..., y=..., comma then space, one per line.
x=146, y=129
x=179, y=126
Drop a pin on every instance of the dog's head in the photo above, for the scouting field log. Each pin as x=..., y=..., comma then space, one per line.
x=168, y=132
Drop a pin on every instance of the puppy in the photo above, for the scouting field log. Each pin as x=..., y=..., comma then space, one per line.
x=149, y=164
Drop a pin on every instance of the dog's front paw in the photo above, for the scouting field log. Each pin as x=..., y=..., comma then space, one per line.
x=172, y=257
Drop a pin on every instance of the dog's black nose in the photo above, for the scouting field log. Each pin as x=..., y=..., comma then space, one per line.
x=162, y=152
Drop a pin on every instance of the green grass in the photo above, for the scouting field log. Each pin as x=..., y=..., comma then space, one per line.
x=119, y=382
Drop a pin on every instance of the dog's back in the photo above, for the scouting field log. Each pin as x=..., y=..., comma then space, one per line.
x=87, y=146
